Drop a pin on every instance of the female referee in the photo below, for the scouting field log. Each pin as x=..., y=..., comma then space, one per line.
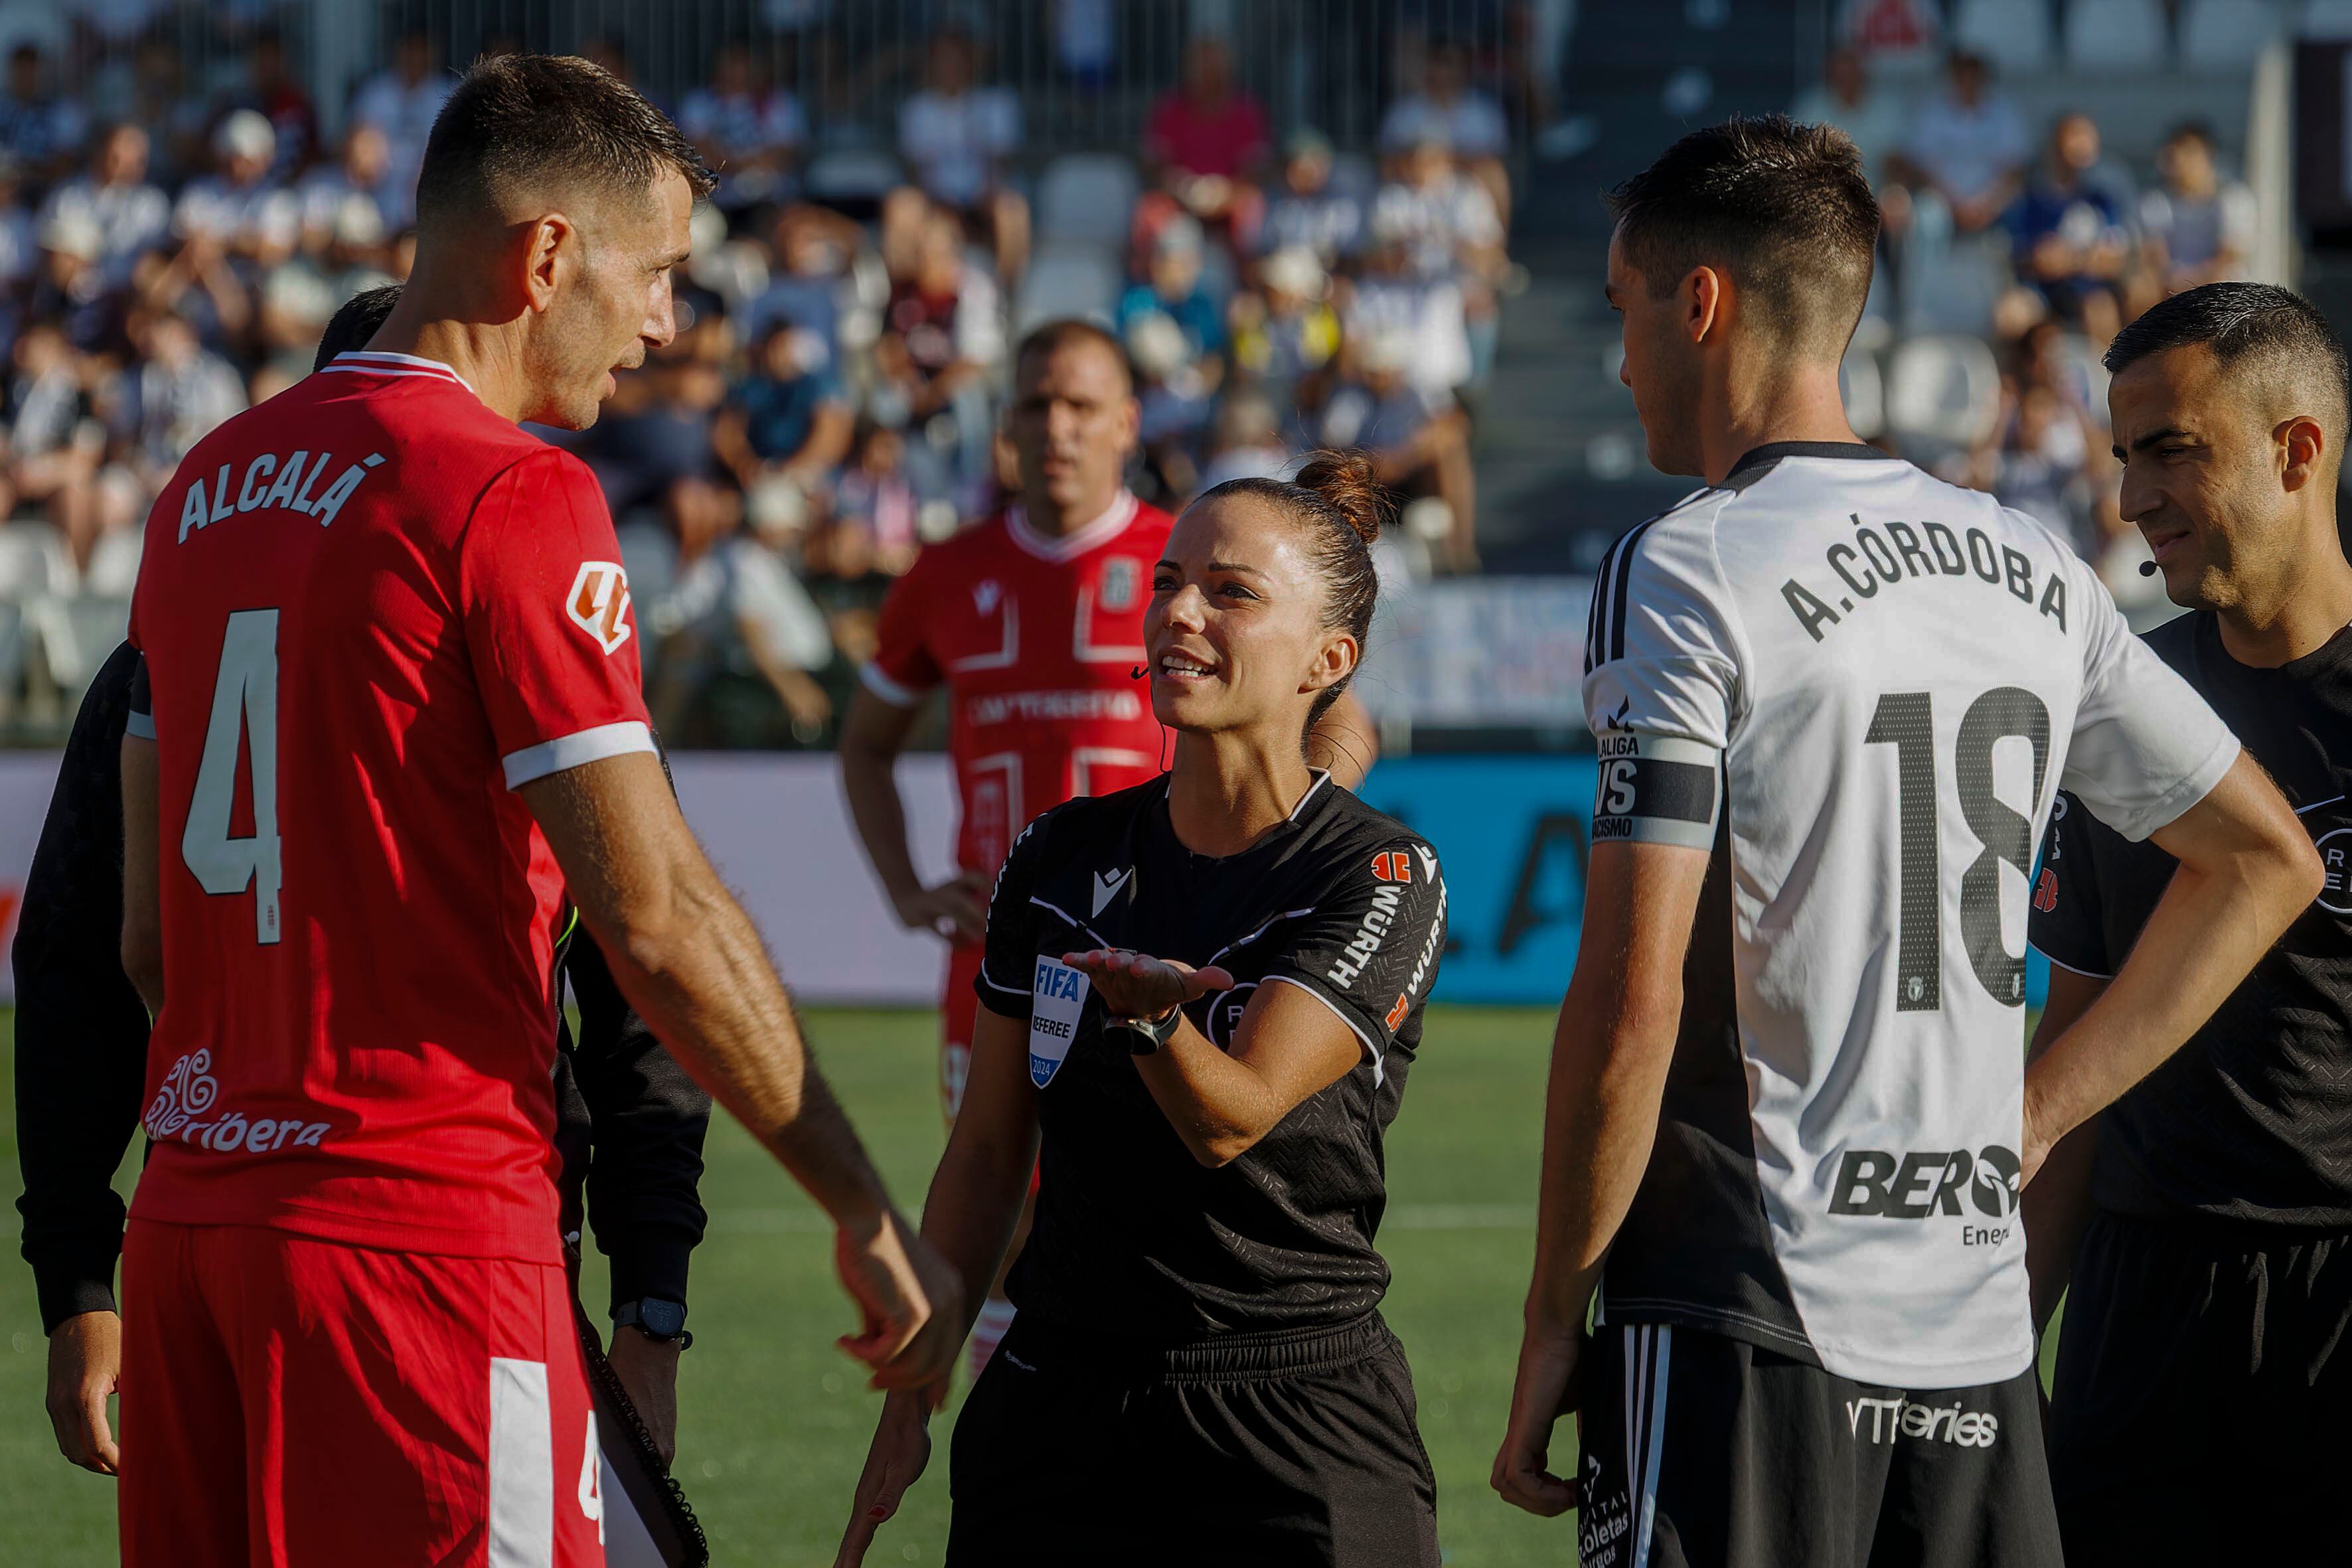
x=1200, y=998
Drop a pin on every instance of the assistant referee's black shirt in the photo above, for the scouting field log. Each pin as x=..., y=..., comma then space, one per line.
x=2251, y=1120
x=1134, y=1238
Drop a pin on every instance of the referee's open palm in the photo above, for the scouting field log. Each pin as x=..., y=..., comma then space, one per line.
x=1137, y=985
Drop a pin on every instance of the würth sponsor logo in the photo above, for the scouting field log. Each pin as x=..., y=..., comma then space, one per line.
x=1887, y=1419
x=599, y=603
x=1393, y=866
x=1371, y=931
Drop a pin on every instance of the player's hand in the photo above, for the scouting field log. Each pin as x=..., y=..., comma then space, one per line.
x=955, y=909
x=85, y=1365
x=647, y=1369
x=902, y=1447
x=1547, y=1387
x=1137, y=985
x=910, y=1301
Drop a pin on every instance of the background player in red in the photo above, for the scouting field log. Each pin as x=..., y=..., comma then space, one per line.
x=396, y=711
x=1032, y=620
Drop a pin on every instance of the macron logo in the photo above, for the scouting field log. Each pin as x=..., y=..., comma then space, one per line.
x=1106, y=888
x=1428, y=862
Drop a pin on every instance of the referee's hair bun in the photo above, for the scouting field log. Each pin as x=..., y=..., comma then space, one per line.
x=1344, y=481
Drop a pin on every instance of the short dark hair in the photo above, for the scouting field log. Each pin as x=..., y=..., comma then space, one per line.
x=360, y=319
x=523, y=120
x=1785, y=209
x=1051, y=337
x=2257, y=327
x=2192, y=131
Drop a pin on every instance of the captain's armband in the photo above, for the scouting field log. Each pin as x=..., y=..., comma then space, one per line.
x=1656, y=789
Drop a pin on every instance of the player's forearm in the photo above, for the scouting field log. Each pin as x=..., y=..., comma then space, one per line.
x=2208, y=931
x=869, y=778
x=974, y=1203
x=1218, y=1108
x=2057, y=1203
x=703, y=981
x=1601, y=1117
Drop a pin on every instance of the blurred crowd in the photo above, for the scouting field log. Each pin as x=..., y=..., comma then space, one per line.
x=170, y=256
x=2013, y=255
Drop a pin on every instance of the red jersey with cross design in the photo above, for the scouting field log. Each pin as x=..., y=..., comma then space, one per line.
x=1036, y=638
x=370, y=609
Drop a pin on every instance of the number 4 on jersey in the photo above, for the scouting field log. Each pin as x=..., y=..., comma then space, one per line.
x=244, y=707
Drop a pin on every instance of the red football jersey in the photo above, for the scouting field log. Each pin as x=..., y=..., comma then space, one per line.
x=1037, y=639
x=371, y=608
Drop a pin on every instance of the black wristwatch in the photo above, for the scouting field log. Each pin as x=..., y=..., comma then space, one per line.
x=1146, y=1036
x=664, y=1322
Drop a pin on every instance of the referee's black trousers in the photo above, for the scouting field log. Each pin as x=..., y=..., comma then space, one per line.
x=1246, y=1451
x=2202, y=1408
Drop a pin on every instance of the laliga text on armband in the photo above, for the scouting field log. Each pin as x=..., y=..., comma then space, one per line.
x=189, y=1089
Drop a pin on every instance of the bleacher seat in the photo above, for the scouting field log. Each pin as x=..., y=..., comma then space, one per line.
x=1066, y=278
x=1863, y=390
x=77, y=635
x=2116, y=35
x=1089, y=197
x=34, y=561
x=853, y=180
x=2325, y=20
x=114, y=564
x=1943, y=392
x=2015, y=35
x=2225, y=37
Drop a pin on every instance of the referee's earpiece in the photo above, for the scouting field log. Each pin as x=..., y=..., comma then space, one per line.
x=1138, y=673
x=2147, y=568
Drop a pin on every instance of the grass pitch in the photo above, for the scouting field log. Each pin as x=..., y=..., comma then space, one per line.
x=774, y=1421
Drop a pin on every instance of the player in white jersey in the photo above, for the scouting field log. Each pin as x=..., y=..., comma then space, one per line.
x=1834, y=698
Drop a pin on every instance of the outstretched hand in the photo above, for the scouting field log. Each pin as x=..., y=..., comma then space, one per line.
x=1137, y=985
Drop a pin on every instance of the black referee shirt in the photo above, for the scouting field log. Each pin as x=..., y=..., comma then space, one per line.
x=1135, y=1238
x=2251, y=1120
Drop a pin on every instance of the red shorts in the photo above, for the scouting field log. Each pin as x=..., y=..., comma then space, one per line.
x=291, y=1402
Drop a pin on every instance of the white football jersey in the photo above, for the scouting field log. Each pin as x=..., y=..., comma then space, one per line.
x=1859, y=689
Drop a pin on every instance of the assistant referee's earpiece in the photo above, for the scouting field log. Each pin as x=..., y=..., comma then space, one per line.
x=1138, y=673
x=2147, y=568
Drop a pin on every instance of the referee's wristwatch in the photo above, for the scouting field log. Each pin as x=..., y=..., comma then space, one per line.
x=664, y=1322
x=1146, y=1036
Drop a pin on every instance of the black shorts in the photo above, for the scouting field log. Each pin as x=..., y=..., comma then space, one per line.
x=1288, y=1449
x=2205, y=1365
x=1701, y=1451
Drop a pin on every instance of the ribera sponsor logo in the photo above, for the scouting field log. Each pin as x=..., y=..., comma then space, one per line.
x=1899, y=1417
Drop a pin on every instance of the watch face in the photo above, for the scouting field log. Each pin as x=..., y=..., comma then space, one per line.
x=663, y=1320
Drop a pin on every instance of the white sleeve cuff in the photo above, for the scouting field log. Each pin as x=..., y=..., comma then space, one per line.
x=577, y=751
x=140, y=724
x=889, y=691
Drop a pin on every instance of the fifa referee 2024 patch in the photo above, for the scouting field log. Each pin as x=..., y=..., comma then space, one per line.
x=1655, y=789
x=1057, y=996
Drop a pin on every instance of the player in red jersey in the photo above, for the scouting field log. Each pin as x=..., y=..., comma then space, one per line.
x=1032, y=620
x=394, y=714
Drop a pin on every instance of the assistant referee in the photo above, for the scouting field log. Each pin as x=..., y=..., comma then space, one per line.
x=1203, y=993
x=2202, y=1407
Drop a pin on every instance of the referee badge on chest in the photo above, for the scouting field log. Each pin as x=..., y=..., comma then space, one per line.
x=1056, y=997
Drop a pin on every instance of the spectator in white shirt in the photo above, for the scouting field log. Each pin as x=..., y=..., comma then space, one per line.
x=403, y=102
x=1968, y=146
x=1307, y=212
x=1847, y=97
x=749, y=133
x=239, y=210
x=1448, y=110
x=172, y=397
x=1445, y=226
x=2199, y=226
x=956, y=136
x=131, y=215
x=354, y=181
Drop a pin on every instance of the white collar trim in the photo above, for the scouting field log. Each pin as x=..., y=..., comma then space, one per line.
x=1078, y=540
x=392, y=363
